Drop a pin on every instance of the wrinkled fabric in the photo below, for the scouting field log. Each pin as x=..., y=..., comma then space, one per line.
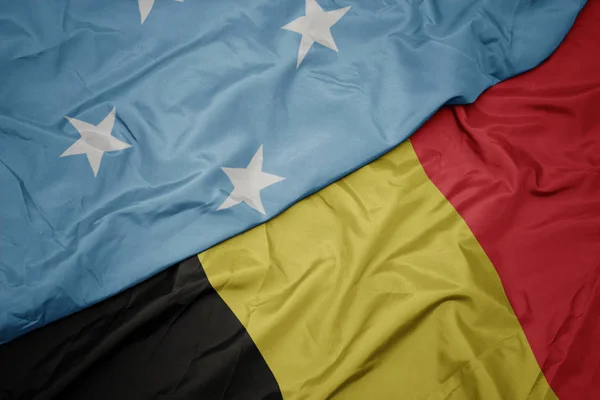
x=376, y=288
x=200, y=86
x=170, y=337
x=522, y=167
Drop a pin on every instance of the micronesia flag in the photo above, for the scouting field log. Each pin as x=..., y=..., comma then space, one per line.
x=136, y=133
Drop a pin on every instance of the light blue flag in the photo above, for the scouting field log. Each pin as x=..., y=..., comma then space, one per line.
x=136, y=133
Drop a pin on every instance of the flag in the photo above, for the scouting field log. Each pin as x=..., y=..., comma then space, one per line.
x=376, y=287
x=353, y=279
x=171, y=335
x=462, y=264
x=136, y=135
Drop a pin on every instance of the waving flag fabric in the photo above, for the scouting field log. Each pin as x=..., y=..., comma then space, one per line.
x=133, y=136
x=525, y=176
x=171, y=335
x=376, y=287
x=348, y=295
x=461, y=265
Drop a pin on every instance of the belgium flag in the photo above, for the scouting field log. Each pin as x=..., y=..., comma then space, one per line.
x=464, y=264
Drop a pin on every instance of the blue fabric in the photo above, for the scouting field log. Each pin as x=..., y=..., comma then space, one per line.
x=199, y=86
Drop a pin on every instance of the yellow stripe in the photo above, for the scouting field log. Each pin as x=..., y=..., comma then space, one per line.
x=375, y=288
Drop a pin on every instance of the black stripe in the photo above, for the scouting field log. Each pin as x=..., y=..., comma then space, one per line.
x=171, y=337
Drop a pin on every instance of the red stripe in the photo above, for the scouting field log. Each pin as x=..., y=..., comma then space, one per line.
x=522, y=166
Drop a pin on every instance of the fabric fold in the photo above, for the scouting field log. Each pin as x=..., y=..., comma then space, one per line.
x=196, y=90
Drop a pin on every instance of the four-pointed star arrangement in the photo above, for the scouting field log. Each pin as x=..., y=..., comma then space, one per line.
x=95, y=140
x=247, y=182
x=315, y=26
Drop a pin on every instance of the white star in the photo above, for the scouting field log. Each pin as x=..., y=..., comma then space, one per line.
x=315, y=26
x=146, y=7
x=248, y=182
x=95, y=140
